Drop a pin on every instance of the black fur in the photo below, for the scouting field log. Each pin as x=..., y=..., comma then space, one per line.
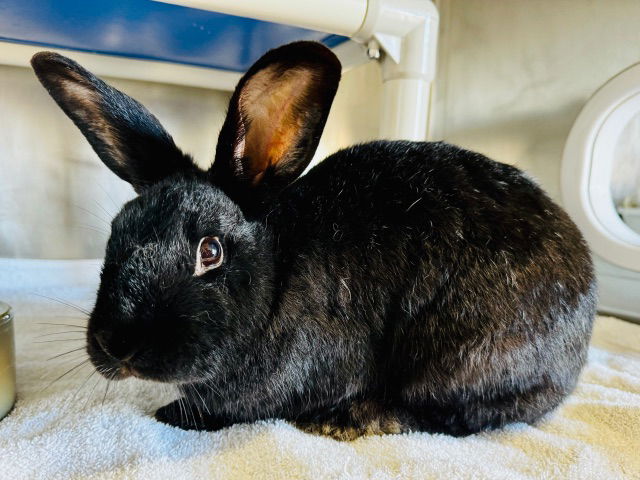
x=397, y=286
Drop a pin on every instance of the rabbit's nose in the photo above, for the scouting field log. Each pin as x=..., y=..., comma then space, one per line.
x=121, y=348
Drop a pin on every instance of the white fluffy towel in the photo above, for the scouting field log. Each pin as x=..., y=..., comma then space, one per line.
x=70, y=429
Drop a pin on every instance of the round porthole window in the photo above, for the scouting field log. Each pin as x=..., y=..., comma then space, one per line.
x=601, y=170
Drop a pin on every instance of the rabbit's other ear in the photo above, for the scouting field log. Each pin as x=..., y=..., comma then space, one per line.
x=124, y=134
x=275, y=118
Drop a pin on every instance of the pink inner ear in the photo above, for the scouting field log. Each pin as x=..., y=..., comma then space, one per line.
x=273, y=102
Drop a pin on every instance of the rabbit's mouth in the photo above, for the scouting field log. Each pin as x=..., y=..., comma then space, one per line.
x=127, y=370
x=121, y=370
x=138, y=365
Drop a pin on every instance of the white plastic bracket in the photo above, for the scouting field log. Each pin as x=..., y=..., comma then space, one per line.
x=407, y=31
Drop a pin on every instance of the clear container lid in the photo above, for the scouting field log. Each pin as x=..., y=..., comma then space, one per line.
x=5, y=313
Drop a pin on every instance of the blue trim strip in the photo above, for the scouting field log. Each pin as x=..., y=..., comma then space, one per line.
x=148, y=30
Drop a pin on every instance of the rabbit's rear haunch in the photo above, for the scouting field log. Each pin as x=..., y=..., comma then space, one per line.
x=397, y=286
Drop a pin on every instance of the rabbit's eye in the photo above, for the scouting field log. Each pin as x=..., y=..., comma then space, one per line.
x=208, y=256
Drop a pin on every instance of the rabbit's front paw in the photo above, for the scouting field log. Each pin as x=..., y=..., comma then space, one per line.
x=182, y=414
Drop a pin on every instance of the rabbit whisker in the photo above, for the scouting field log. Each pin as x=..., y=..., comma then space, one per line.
x=108, y=196
x=86, y=402
x=65, y=374
x=94, y=215
x=61, y=340
x=110, y=373
x=103, y=209
x=62, y=325
x=63, y=302
x=66, y=353
x=82, y=385
x=204, y=404
x=60, y=333
x=192, y=402
x=92, y=228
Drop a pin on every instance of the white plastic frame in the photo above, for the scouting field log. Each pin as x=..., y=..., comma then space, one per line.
x=407, y=31
x=587, y=164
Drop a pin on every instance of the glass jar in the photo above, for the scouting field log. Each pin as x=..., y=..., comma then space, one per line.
x=7, y=361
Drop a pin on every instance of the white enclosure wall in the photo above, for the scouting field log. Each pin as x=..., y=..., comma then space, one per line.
x=513, y=75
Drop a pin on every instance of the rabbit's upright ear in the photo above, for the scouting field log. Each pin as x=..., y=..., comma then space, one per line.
x=124, y=134
x=275, y=118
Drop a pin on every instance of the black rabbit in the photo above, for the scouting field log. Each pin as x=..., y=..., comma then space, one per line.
x=397, y=286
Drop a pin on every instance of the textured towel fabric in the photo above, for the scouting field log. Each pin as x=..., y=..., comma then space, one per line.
x=71, y=429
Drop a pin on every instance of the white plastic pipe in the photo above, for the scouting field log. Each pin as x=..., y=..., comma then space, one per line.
x=342, y=17
x=405, y=109
x=406, y=30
